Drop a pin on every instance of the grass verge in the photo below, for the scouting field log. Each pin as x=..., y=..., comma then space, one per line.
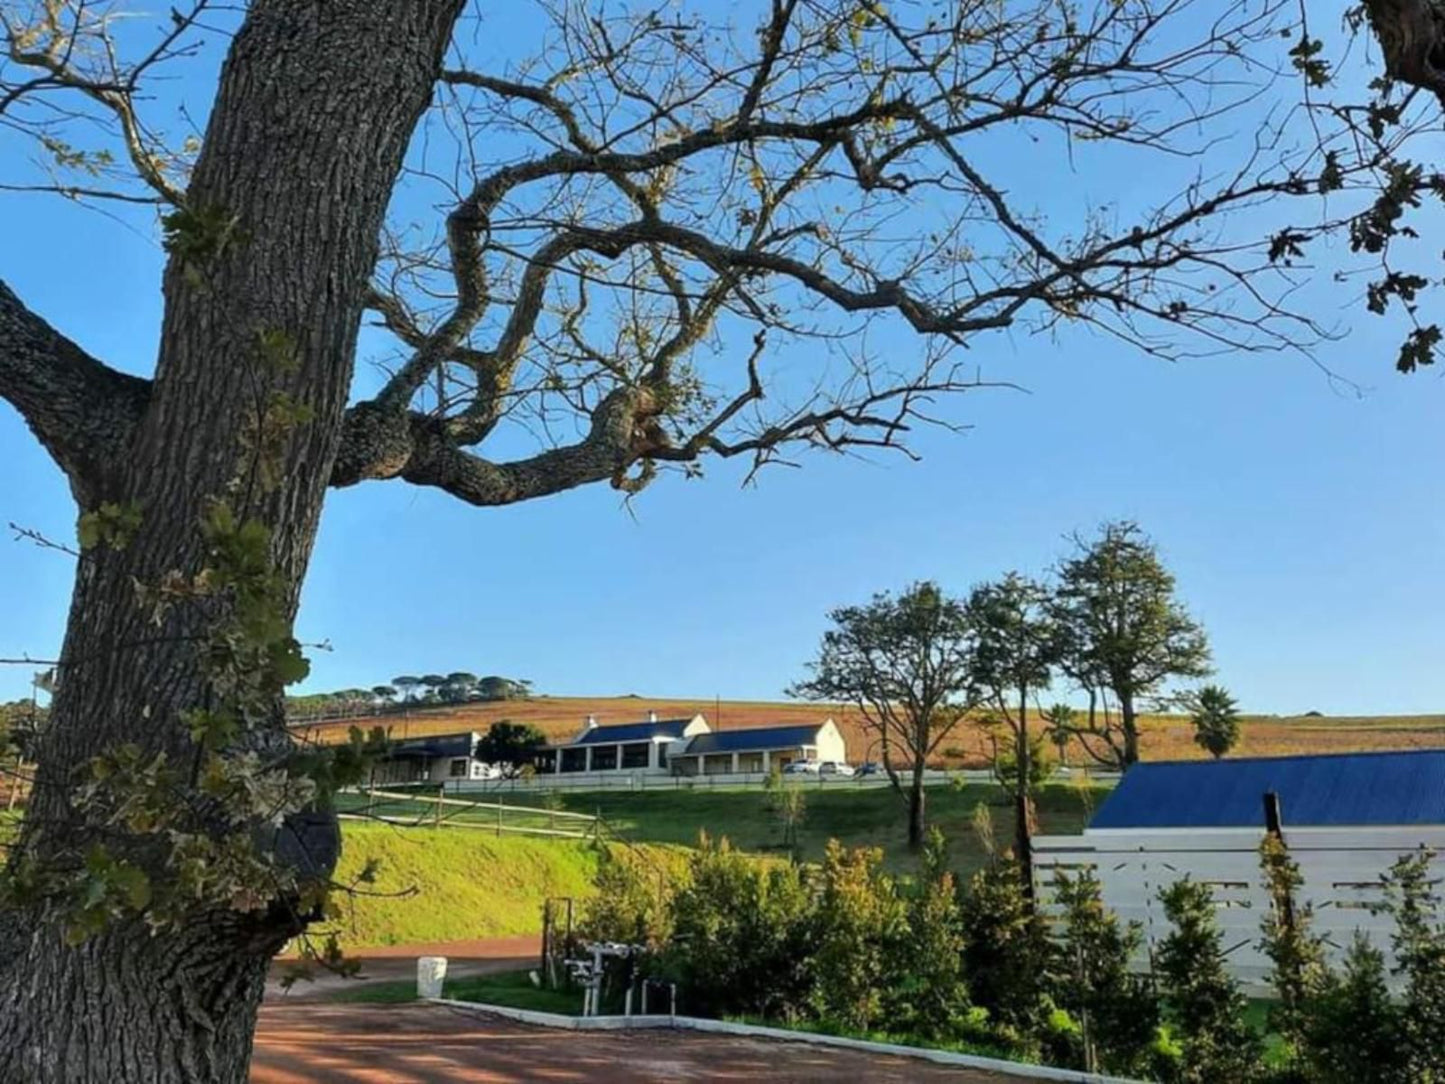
x=513, y=989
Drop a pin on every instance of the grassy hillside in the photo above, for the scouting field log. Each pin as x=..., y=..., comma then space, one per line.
x=457, y=884
x=872, y=818
x=1163, y=738
x=460, y=884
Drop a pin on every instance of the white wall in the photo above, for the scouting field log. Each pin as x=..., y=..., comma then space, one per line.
x=830, y=742
x=1341, y=868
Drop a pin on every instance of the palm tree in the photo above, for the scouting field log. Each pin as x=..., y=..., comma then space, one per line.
x=1216, y=720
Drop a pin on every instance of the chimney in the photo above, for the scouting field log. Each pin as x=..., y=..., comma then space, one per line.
x=652, y=716
x=591, y=722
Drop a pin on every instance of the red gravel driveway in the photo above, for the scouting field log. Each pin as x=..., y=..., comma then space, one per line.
x=310, y=1043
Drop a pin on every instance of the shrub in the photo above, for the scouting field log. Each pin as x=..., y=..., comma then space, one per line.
x=859, y=925
x=1204, y=1004
x=1351, y=1030
x=1299, y=971
x=632, y=904
x=740, y=935
x=1117, y=1013
x=1007, y=953
x=1419, y=943
x=929, y=997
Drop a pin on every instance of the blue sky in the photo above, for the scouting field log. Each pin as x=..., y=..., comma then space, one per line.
x=1304, y=521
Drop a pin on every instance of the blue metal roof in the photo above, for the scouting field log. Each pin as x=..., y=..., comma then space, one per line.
x=607, y=735
x=1335, y=790
x=754, y=738
x=435, y=746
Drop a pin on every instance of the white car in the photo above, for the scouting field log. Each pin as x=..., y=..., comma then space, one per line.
x=802, y=767
x=836, y=767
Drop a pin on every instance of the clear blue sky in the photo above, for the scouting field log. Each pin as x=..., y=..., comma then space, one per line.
x=1304, y=522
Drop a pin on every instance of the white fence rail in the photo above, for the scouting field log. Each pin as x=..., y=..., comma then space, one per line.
x=641, y=781
x=1341, y=868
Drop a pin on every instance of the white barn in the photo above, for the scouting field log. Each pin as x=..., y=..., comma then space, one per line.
x=1346, y=818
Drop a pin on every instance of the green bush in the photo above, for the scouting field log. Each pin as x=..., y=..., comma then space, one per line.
x=741, y=936
x=1117, y=1013
x=1419, y=943
x=929, y=997
x=633, y=903
x=1204, y=1005
x=1007, y=956
x=859, y=929
x=1351, y=1030
x=1299, y=974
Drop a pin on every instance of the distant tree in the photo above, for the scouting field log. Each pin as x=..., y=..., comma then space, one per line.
x=1123, y=634
x=1059, y=723
x=458, y=687
x=408, y=685
x=493, y=687
x=1216, y=720
x=510, y=746
x=905, y=663
x=787, y=804
x=385, y=693
x=1016, y=647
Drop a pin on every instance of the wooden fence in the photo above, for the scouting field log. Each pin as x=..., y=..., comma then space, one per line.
x=436, y=810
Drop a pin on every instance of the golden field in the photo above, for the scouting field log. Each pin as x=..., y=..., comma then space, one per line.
x=1164, y=737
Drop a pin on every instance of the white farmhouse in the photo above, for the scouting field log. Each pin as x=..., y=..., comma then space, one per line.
x=689, y=747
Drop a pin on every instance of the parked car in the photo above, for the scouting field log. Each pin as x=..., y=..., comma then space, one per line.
x=870, y=768
x=835, y=767
x=802, y=767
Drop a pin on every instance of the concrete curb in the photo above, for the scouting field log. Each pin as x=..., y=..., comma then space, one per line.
x=728, y=1027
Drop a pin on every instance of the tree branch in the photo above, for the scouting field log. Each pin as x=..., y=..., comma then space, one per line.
x=82, y=411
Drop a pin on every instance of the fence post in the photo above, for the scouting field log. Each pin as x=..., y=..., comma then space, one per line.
x=499, y=816
x=437, y=818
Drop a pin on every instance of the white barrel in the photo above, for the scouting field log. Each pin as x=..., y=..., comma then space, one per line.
x=431, y=972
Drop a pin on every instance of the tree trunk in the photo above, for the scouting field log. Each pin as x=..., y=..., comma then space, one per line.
x=1131, y=729
x=1024, y=799
x=316, y=106
x=916, y=804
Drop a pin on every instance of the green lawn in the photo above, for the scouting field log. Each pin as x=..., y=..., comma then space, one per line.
x=510, y=988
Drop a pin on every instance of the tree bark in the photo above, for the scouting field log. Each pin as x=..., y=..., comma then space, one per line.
x=1130, y=726
x=916, y=807
x=316, y=106
x=1023, y=799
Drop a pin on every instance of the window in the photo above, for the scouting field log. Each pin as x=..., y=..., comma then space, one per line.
x=750, y=762
x=717, y=764
x=458, y=768
x=637, y=755
x=574, y=759
x=604, y=758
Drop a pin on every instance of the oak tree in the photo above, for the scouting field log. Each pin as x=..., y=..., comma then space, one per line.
x=661, y=239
